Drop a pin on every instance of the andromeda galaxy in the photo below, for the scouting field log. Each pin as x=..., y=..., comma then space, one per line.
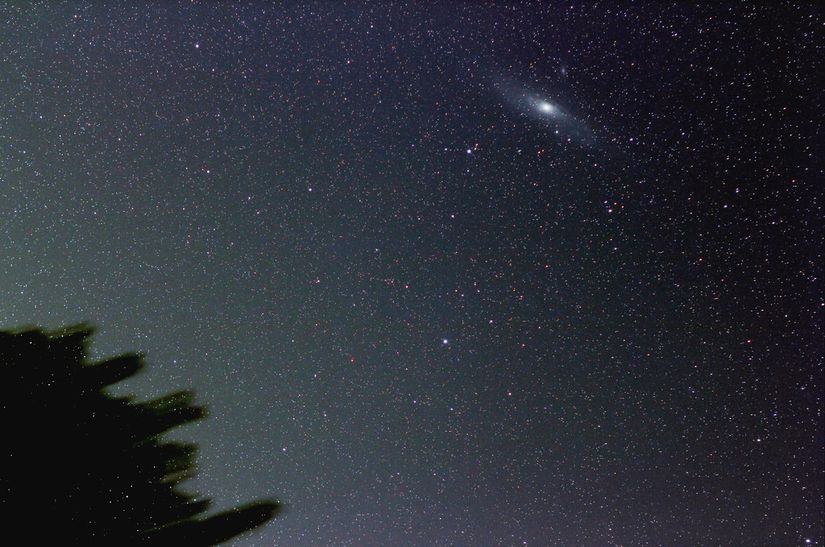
x=543, y=108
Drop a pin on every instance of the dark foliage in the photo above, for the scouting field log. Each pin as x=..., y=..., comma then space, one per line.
x=90, y=467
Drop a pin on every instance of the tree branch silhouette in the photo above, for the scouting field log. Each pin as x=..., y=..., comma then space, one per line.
x=92, y=466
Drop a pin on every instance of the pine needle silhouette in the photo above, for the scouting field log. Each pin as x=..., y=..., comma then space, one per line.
x=93, y=467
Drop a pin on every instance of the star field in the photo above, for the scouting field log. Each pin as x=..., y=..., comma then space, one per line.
x=444, y=274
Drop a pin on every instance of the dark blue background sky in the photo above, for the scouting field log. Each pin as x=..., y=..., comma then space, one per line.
x=421, y=310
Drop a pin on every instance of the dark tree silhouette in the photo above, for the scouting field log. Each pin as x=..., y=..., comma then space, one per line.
x=93, y=468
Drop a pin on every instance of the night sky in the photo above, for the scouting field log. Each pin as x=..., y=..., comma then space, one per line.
x=445, y=274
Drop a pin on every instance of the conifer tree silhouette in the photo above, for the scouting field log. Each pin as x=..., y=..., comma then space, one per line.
x=91, y=467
